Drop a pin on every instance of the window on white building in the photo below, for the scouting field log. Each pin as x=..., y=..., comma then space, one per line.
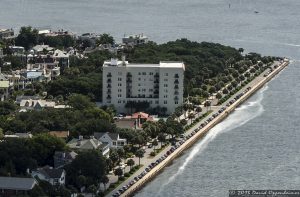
x=176, y=102
x=165, y=85
x=119, y=79
x=165, y=79
x=165, y=102
x=156, y=102
x=119, y=73
x=166, y=74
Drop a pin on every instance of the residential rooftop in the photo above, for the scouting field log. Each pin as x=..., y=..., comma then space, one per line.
x=16, y=183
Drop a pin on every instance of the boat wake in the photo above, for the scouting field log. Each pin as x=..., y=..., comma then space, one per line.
x=242, y=115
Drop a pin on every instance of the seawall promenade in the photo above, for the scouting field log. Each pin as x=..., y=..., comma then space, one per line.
x=157, y=169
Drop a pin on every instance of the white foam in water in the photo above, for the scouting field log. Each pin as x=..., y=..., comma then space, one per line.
x=242, y=115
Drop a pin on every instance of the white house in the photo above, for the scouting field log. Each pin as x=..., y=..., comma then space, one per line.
x=113, y=139
x=157, y=84
x=51, y=175
x=82, y=144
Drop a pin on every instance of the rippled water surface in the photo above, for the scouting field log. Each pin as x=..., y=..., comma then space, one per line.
x=257, y=147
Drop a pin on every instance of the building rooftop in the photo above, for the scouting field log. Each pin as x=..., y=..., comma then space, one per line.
x=138, y=36
x=84, y=144
x=60, y=54
x=40, y=48
x=19, y=135
x=4, y=84
x=33, y=74
x=16, y=183
x=162, y=64
x=20, y=98
x=50, y=172
x=113, y=136
x=125, y=123
x=60, y=134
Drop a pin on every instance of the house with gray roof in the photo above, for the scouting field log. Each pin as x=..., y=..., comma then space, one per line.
x=20, y=98
x=62, y=158
x=51, y=175
x=12, y=186
x=82, y=144
x=113, y=139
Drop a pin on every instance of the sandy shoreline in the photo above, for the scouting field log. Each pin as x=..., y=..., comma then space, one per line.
x=188, y=143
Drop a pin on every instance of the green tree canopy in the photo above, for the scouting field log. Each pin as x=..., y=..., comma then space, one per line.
x=28, y=37
x=93, y=170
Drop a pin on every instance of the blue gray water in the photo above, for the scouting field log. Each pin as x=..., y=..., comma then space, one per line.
x=257, y=147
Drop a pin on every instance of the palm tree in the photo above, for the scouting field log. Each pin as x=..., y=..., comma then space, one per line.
x=140, y=154
x=154, y=143
x=105, y=180
x=191, y=116
x=178, y=112
x=207, y=104
x=130, y=162
x=170, y=131
x=118, y=172
x=121, y=154
x=225, y=91
x=198, y=110
x=218, y=96
x=162, y=138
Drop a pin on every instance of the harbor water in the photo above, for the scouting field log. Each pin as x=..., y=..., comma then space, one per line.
x=256, y=147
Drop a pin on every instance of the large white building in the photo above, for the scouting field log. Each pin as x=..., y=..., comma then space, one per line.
x=158, y=84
